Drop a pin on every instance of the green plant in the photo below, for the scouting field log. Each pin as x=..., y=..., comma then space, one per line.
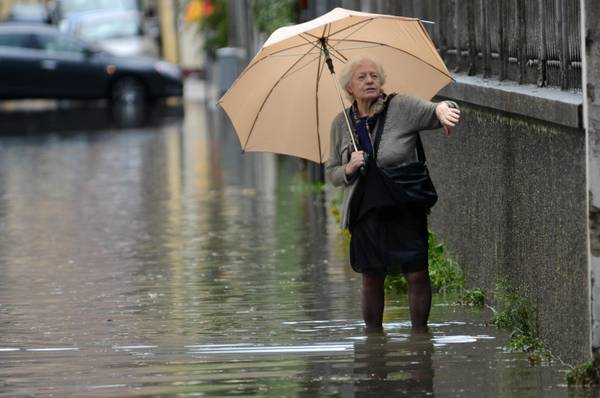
x=272, y=14
x=346, y=235
x=335, y=212
x=526, y=343
x=515, y=314
x=215, y=27
x=474, y=297
x=306, y=186
x=396, y=283
x=586, y=374
x=444, y=272
x=334, y=205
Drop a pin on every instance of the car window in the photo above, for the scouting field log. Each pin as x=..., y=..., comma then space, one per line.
x=28, y=12
x=19, y=40
x=69, y=7
x=59, y=44
x=103, y=29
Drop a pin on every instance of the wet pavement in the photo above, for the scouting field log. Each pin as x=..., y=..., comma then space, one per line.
x=142, y=255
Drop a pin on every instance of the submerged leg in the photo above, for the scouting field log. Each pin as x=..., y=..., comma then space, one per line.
x=419, y=299
x=372, y=299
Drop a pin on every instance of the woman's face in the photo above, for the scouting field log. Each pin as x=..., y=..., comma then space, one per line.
x=365, y=84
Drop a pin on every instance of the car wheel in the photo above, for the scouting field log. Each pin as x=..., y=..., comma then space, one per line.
x=128, y=90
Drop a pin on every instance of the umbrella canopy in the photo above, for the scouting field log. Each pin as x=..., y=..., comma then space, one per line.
x=284, y=101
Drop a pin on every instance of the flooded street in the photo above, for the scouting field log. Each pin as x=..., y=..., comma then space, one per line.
x=145, y=256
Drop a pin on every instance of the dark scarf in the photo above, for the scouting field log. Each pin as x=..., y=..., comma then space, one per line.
x=365, y=126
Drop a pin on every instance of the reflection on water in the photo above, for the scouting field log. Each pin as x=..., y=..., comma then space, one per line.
x=86, y=118
x=151, y=258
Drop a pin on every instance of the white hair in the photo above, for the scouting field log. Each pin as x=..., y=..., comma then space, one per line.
x=350, y=67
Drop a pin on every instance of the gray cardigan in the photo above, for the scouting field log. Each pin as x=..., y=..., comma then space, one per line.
x=406, y=116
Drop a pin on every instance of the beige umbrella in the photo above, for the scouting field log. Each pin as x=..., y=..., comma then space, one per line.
x=284, y=102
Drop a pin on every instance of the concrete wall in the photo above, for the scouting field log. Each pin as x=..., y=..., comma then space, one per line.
x=512, y=183
x=591, y=87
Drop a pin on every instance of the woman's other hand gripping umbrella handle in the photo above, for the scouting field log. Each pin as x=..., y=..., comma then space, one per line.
x=357, y=162
x=448, y=115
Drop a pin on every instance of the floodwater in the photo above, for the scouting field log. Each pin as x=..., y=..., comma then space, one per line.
x=142, y=255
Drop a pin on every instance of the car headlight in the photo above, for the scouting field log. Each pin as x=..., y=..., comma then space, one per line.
x=168, y=69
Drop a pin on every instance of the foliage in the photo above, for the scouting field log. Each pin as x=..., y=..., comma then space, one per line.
x=215, y=27
x=444, y=272
x=306, y=186
x=346, y=235
x=529, y=344
x=396, y=283
x=335, y=212
x=586, y=374
x=335, y=205
x=268, y=16
x=272, y=14
x=516, y=314
x=474, y=297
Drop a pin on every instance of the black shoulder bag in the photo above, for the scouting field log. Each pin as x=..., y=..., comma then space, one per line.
x=408, y=183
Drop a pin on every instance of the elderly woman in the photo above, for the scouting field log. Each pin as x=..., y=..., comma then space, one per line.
x=388, y=239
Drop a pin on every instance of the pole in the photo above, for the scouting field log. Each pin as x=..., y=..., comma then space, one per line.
x=168, y=31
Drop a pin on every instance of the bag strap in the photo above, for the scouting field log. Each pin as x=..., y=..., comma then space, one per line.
x=420, y=150
x=380, y=123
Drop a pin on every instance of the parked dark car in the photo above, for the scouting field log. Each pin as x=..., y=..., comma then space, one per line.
x=39, y=61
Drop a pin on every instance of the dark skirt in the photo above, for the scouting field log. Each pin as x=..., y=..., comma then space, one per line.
x=387, y=237
x=389, y=241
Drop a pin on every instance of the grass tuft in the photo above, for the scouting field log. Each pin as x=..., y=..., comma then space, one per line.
x=586, y=374
x=515, y=314
x=474, y=298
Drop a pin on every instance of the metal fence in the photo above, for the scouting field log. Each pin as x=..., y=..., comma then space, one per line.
x=527, y=41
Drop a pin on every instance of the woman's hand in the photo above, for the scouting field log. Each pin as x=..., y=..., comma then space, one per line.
x=447, y=116
x=357, y=160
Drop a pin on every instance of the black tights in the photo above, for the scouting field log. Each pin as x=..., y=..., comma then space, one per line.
x=419, y=300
